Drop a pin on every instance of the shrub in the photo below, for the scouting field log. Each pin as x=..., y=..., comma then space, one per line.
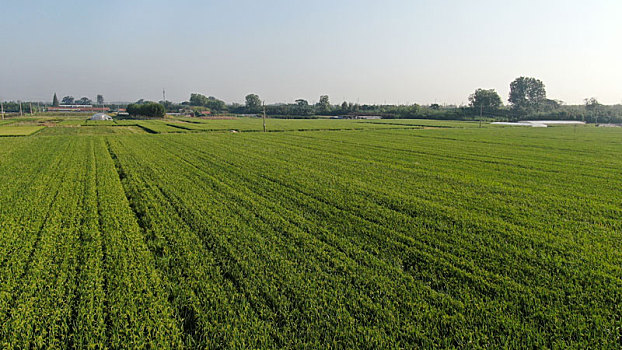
x=148, y=109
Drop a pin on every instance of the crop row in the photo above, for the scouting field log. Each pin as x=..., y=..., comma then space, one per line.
x=420, y=222
x=75, y=269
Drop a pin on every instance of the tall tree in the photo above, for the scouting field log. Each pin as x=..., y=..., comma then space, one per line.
x=67, y=100
x=211, y=102
x=55, y=101
x=84, y=101
x=485, y=100
x=198, y=100
x=302, y=107
x=591, y=104
x=594, y=107
x=324, y=104
x=100, y=99
x=527, y=94
x=253, y=103
x=344, y=107
x=215, y=104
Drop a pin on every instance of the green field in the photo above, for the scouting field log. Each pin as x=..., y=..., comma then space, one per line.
x=256, y=124
x=91, y=130
x=20, y=130
x=350, y=234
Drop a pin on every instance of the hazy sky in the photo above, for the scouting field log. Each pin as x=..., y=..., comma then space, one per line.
x=359, y=50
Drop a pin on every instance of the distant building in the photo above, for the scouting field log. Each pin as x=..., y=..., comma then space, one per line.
x=77, y=108
x=357, y=117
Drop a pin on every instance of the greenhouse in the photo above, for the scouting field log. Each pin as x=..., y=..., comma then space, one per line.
x=101, y=116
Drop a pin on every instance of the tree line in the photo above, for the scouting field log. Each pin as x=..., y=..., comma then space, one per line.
x=70, y=100
x=527, y=100
x=147, y=109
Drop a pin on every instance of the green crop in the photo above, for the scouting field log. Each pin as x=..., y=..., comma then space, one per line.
x=10, y=130
x=348, y=234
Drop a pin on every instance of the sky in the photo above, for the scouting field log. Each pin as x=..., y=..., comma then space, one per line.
x=365, y=51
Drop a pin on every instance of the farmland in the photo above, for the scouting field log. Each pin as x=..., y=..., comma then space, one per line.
x=8, y=130
x=328, y=234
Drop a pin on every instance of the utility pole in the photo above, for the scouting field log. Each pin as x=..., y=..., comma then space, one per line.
x=2, y=109
x=21, y=113
x=264, y=116
x=481, y=110
x=163, y=95
x=30, y=104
